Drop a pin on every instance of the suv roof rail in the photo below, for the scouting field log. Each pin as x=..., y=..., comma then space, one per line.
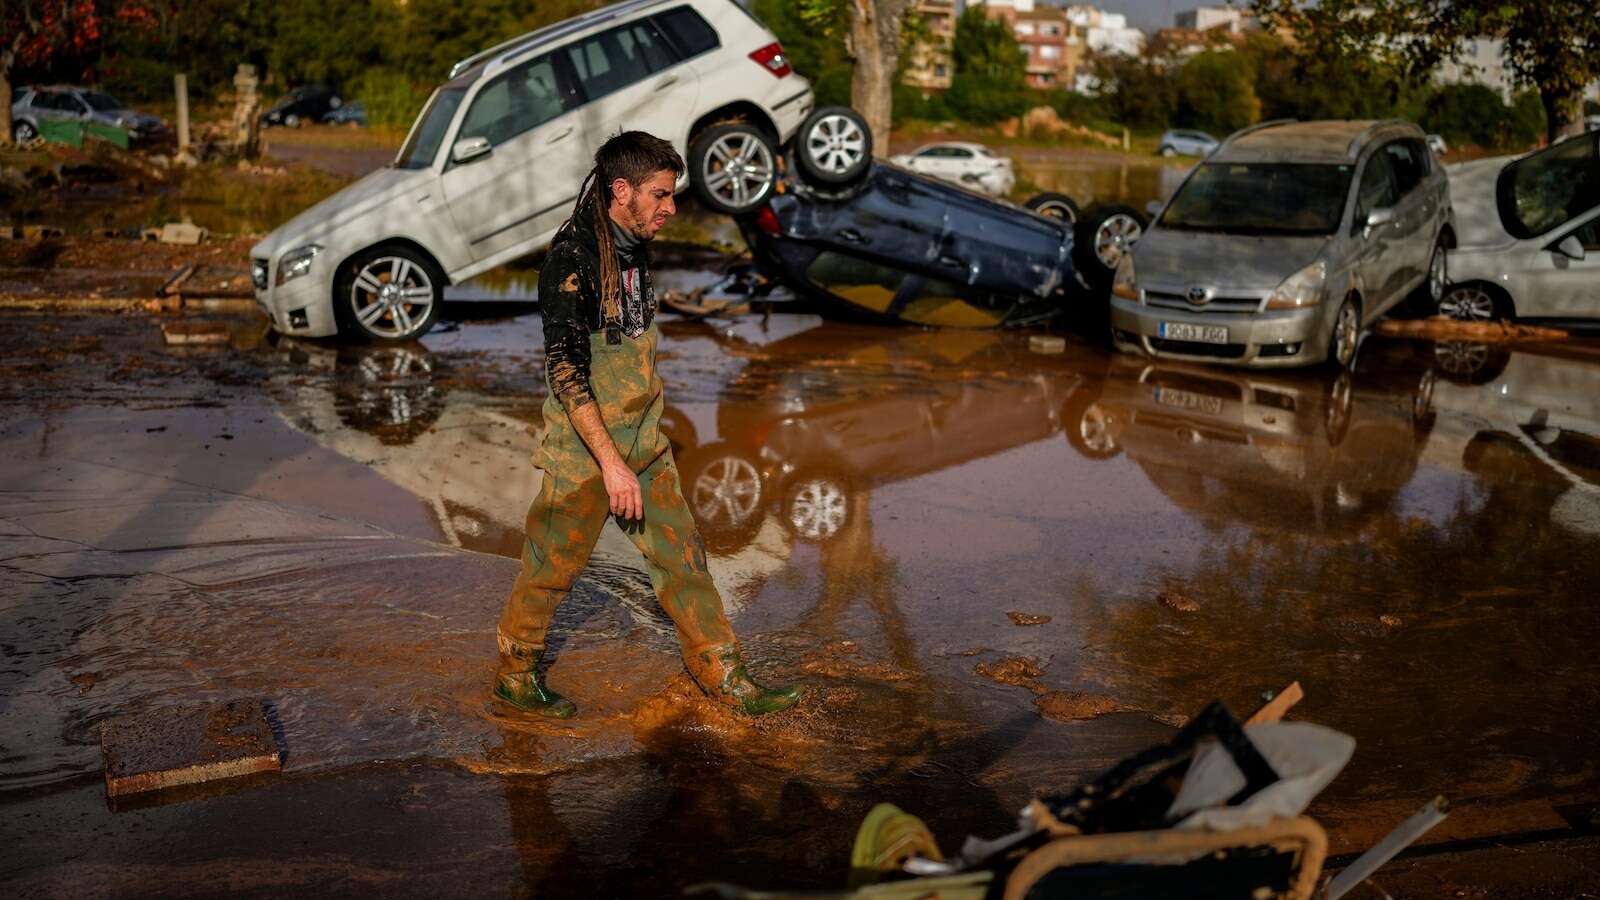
x=1259, y=126
x=1354, y=149
x=550, y=32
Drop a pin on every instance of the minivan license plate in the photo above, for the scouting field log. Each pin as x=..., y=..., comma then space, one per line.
x=1205, y=334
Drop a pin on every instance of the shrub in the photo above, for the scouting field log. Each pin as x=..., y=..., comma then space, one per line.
x=391, y=99
x=1465, y=113
x=1215, y=92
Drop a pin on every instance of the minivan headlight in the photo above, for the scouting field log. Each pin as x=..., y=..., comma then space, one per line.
x=297, y=262
x=1122, y=284
x=1302, y=289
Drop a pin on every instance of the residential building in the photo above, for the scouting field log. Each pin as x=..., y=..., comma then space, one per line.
x=931, y=66
x=1053, y=45
x=1205, y=18
x=1106, y=32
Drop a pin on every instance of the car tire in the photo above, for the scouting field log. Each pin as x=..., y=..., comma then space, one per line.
x=733, y=168
x=291, y=121
x=726, y=494
x=1345, y=335
x=367, y=309
x=1469, y=362
x=23, y=132
x=1337, y=399
x=833, y=147
x=1054, y=206
x=1426, y=297
x=1088, y=424
x=1104, y=235
x=335, y=102
x=1475, y=301
x=816, y=508
x=1168, y=151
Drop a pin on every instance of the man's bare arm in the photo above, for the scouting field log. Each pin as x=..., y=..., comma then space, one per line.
x=622, y=485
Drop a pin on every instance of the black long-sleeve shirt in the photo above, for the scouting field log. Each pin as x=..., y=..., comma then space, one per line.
x=569, y=303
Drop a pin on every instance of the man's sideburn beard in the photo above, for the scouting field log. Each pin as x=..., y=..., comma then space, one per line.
x=636, y=224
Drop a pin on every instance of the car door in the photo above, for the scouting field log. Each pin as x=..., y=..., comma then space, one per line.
x=525, y=186
x=1558, y=286
x=1415, y=209
x=1378, y=257
x=631, y=80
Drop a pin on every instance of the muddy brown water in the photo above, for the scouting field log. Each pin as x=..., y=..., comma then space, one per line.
x=334, y=528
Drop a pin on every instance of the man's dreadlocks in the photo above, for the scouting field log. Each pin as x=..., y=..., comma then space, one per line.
x=632, y=156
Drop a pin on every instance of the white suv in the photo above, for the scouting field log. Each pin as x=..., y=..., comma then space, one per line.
x=492, y=166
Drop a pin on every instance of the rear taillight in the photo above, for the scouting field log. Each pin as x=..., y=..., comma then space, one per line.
x=771, y=57
x=767, y=221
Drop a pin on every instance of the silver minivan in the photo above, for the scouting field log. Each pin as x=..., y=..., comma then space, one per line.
x=1285, y=243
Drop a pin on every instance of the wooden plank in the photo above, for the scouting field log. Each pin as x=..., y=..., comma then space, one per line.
x=1274, y=709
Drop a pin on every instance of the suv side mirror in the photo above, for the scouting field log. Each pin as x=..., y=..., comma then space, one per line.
x=470, y=148
x=1570, y=247
x=1379, y=217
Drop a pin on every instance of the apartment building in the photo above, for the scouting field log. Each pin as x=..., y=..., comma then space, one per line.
x=930, y=65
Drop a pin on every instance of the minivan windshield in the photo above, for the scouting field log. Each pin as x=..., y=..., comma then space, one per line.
x=1260, y=199
x=428, y=134
x=1539, y=192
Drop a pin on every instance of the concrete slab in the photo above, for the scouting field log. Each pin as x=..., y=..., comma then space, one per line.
x=173, y=746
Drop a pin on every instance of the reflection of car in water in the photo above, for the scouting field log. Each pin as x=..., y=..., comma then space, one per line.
x=815, y=420
x=1270, y=450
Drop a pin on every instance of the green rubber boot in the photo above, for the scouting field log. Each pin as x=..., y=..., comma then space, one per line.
x=518, y=683
x=720, y=672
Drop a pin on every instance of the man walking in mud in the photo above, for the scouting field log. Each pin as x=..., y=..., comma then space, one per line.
x=603, y=450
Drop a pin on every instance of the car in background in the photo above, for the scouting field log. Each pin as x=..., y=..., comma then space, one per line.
x=1181, y=142
x=1529, y=245
x=970, y=165
x=494, y=161
x=65, y=103
x=301, y=105
x=906, y=247
x=1591, y=123
x=352, y=113
x=1437, y=144
x=1284, y=244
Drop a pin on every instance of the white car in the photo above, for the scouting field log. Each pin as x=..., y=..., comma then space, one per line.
x=1528, y=243
x=493, y=164
x=973, y=166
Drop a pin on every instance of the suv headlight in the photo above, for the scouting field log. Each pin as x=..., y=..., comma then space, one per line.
x=297, y=262
x=1122, y=284
x=1302, y=289
x=258, y=273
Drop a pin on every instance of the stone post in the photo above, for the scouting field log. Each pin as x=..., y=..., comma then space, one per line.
x=246, y=112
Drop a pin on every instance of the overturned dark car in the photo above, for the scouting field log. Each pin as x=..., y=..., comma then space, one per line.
x=874, y=241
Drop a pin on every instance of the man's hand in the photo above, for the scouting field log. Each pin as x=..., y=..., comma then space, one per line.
x=622, y=486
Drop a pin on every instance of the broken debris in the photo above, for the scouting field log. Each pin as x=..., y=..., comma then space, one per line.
x=1022, y=618
x=174, y=746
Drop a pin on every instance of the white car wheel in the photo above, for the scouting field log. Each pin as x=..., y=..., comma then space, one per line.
x=726, y=493
x=817, y=509
x=732, y=168
x=24, y=132
x=1469, y=302
x=833, y=147
x=1115, y=237
x=391, y=298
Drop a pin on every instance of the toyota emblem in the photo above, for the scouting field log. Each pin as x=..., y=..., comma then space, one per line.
x=1199, y=296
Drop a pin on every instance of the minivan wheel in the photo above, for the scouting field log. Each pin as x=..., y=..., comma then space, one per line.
x=833, y=147
x=24, y=132
x=1054, y=206
x=388, y=294
x=1104, y=237
x=1346, y=333
x=1425, y=299
x=1472, y=303
x=732, y=168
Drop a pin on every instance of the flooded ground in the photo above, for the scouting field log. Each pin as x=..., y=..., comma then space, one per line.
x=999, y=571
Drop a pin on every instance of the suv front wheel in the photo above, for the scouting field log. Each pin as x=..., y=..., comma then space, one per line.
x=388, y=293
x=732, y=168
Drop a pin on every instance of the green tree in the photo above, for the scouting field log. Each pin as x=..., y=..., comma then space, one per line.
x=1215, y=91
x=817, y=53
x=990, y=82
x=1552, y=46
x=875, y=40
x=1466, y=114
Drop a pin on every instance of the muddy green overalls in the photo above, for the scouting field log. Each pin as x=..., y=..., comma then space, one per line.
x=565, y=519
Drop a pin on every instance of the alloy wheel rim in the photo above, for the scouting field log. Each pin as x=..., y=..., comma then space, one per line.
x=1055, y=209
x=1436, y=274
x=738, y=169
x=1460, y=357
x=728, y=491
x=818, y=509
x=1338, y=414
x=391, y=297
x=1345, y=334
x=1422, y=398
x=1095, y=429
x=836, y=144
x=25, y=132
x=1115, y=237
x=1468, y=304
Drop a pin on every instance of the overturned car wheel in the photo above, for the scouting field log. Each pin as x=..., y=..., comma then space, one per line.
x=1054, y=206
x=732, y=167
x=1105, y=235
x=833, y=147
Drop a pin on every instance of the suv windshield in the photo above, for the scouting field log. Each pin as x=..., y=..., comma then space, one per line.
x=1260, y=198
x=1539, y=192
x=428, y=133
x=100, y=101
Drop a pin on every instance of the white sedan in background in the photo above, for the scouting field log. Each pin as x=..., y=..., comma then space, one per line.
x=1528, y=245
x=973, y=166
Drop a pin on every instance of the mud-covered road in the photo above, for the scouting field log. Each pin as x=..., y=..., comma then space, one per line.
x=334, y=528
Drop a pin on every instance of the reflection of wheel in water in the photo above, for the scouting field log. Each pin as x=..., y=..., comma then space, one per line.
x=726, y=493
x=1091, y=428
x=1336, y=418
x=387, y=392
x=817, y=508
x=1469, y=362
x=1422, y=412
